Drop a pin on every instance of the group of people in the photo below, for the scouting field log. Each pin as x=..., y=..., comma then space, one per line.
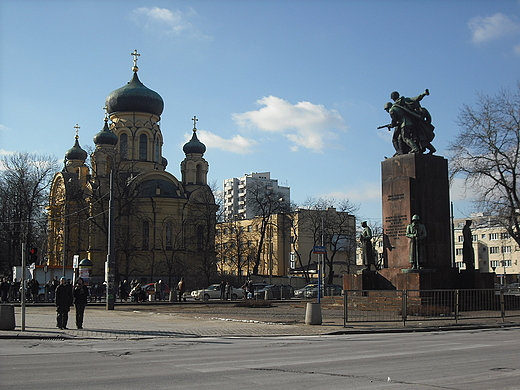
x=226, y=291
x=413, y=130
x=65, y=296
x=134, y=291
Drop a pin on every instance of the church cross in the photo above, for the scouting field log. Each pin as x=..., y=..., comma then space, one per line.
x=77, y=130
x=194, y=119
x=135, y=54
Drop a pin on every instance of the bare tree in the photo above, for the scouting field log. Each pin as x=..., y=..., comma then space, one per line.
x=486, y=154
x=265, y=204
x=331, y=224
x=24, y=185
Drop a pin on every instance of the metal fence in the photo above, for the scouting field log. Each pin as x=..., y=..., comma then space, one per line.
x=425, y=305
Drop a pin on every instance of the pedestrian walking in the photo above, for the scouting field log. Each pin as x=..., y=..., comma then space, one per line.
x=63, y=303
x=80, y=301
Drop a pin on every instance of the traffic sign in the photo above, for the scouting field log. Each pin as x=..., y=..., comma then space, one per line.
x=319, y=250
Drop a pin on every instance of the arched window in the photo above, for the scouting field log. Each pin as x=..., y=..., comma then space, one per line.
x=146, y=236
x=156, y=150
x=143, y=146
x=123, y=146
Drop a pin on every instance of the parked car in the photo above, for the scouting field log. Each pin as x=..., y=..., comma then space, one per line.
x=275, y=291
x=300, y=293
x=213, y=292
x=329, y=290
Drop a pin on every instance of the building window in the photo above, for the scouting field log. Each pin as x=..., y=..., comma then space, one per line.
x=505, y=236
x=143, y=146
x=493, y=236
x=494, y=250
x=507, y=263
x=459, y=251
x=123, y=146
x=506, y=249
x=146, y=236
x=169, y=231
x=474, y=237
x=483, y=236
x=461, y=238
x=156, y=150
x=494, y=263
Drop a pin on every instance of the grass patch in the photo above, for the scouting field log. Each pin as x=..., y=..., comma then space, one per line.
x=254, y=303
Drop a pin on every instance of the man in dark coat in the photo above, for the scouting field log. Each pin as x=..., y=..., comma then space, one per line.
x=63, y=303
x=80, y=301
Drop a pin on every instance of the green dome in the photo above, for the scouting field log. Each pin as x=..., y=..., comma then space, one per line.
x=134, y=97
x=76, y=153
x=194, y=145
x=105, y=136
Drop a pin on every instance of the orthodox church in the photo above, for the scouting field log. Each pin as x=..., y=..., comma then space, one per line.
x=163, y=227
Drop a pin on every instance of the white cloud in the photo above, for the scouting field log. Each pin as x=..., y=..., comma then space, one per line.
x=238, y=144
x=304, y=124
x=165, y=21
x=492, y=27
x=364, y=193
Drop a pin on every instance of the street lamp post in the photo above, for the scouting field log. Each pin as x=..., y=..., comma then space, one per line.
x=110, y=264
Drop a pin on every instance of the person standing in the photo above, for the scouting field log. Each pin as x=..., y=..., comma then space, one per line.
x=229, y=290
x=63, y=302
x=181, y=288
x=5, y=287
x=80, y=301
x=222, y=290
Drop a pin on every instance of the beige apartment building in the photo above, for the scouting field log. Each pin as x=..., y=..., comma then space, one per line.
x=287, y=246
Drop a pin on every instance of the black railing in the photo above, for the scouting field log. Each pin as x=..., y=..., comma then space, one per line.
x=424, y=305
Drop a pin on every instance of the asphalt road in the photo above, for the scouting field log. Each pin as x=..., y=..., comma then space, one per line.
x=457, y=360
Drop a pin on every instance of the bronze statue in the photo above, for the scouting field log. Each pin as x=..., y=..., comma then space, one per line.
x=413, y=131
x=366, y=242
x=416, y=232
x=468, y=254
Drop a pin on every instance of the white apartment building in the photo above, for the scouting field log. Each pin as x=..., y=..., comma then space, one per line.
x=238, y=192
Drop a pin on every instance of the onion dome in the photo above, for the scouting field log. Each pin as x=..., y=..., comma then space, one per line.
x=76, y=153
x=194, y=145
x=105, y=136
x=133, y=97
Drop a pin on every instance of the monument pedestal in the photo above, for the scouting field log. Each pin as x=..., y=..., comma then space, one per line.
x=417, y=184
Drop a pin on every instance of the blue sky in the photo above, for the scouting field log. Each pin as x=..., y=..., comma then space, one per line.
x=296, y=88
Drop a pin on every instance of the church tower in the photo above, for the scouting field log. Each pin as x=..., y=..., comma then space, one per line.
x=194, y=167
x=164, y=227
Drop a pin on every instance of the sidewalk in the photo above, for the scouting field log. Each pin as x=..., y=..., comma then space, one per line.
x=130, y=321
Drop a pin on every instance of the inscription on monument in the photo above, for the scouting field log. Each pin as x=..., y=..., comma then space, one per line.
x=396, y=225
x=395, y=197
